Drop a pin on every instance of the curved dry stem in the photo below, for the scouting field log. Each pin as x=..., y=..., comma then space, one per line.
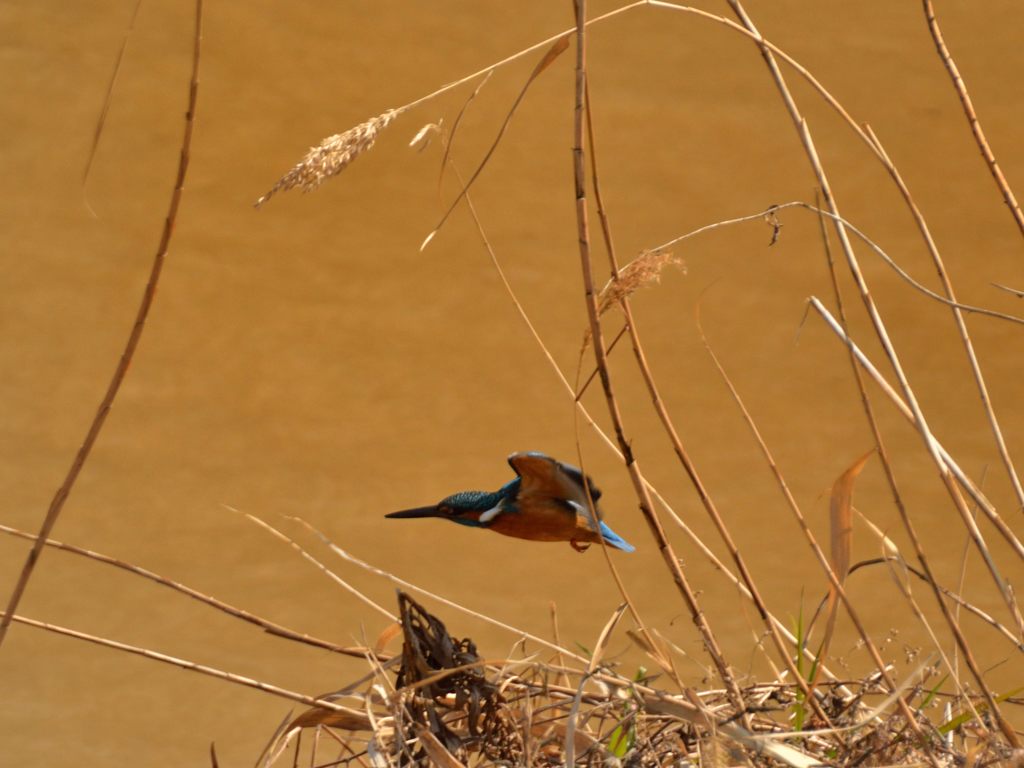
x=334, y=153
x=833, y=578
x=969, y=485
x=878, y=250
x=961, y=476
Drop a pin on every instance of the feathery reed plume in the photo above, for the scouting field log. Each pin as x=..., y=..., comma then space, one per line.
x=331, y=156
x=643, y=270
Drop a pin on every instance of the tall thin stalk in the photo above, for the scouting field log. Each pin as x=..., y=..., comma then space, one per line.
x=61, y=496
x=646, y=505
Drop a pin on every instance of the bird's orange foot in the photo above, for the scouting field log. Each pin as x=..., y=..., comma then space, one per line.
x=578, y=546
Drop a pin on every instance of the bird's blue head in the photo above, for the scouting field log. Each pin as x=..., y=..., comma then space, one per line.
x=464, y=507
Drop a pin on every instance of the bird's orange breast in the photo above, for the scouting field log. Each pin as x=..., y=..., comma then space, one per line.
x=537, y=522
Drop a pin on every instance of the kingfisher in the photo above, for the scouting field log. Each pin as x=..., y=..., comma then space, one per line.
x=546, y=501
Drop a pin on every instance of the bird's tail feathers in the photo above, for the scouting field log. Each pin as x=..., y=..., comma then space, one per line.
x=613, y=539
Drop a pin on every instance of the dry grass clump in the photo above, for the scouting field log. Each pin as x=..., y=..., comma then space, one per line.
x=331, y=156
x=445, y=705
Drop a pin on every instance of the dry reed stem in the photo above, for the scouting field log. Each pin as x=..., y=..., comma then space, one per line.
x=239, y=613
x=322, y=568
x=121, y=369
x=659, y=658
x=656, y=653
x=331, y=156
x=972, y=117
x=920, y=422
x=623, y=279
x=867, y=136
x=595, y=658
x=101, y=121
x=1008, y=289
x=358, y=719
x=835, y=583
x=877, y=249
x=965, y=481
x=929, y=577
x=455, y=132
x=903, y=585
x=879, y=443
x=625, y=446
x=819, y=172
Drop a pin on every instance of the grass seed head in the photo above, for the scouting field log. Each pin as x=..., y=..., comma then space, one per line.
x=331, y=156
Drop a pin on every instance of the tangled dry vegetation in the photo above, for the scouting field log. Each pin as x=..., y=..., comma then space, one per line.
x=439, y=703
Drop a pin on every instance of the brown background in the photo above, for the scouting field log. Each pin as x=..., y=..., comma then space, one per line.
x=307, y=360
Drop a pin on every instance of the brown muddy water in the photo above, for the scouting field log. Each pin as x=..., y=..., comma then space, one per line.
x=307, y=360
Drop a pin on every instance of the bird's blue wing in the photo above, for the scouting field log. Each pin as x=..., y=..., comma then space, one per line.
x=543, y=475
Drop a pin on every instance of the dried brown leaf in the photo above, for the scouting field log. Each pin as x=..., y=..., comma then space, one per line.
x=841, y=517
x=435, y=749
x=349, y=719
x=841, y=528
x=386, y=636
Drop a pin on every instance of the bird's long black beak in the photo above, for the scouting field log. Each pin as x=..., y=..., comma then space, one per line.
x=431, y=511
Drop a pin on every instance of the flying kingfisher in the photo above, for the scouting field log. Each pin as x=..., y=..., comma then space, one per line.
x=547, y=501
